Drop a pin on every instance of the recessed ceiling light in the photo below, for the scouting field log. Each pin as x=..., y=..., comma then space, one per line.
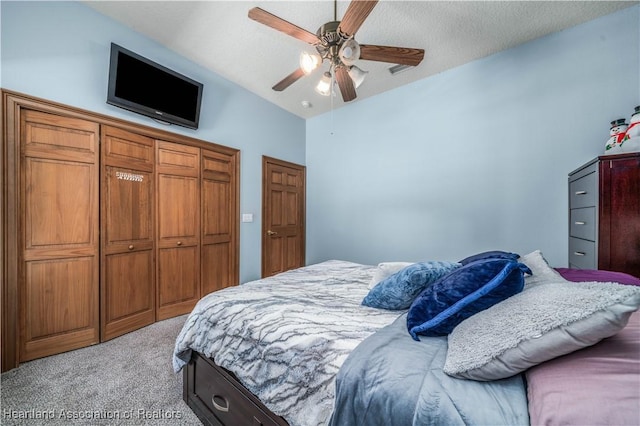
x=306, y=104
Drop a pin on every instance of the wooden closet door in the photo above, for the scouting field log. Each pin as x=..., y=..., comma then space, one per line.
x=178, y=223
x=59, y=273
x=218, y=266
x=127, y=200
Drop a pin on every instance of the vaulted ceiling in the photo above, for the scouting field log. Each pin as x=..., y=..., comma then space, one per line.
x=218, y=35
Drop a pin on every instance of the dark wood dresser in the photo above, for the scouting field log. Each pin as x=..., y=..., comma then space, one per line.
x=604, y=214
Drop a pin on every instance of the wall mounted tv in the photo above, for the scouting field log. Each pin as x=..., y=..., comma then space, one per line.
x=145, y=87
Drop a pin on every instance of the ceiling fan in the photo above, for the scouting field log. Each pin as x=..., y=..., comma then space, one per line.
x=334, y=41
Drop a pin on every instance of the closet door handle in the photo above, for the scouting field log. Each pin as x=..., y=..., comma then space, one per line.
x=581, y=192
x=579, y=253
x=179, y=243
x=131, y=247
x=580, y=222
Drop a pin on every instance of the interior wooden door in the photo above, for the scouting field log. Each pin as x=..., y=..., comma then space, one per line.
x=178, y=224
x=219, y=221
x=59, y=273
x=283, y=216
x=127, y=227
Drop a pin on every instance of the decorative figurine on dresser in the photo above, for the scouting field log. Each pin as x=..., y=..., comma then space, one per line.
x=604, y=214
x=631, y=140
x=616, y=135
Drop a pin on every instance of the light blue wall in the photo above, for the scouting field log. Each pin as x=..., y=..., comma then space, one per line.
x=474, y=158
x=60, y=51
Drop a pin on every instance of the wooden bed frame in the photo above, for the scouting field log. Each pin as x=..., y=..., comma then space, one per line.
x=217, y=398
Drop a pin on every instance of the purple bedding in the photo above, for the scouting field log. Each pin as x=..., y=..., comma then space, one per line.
x=597, y=275
x=598, y=385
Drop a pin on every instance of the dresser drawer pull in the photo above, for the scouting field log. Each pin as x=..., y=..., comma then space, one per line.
x=581, y=192
x=224, y=408
x=580, y=223
x=579, y=253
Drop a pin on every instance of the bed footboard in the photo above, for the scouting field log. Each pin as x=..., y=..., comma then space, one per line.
x=217, y=398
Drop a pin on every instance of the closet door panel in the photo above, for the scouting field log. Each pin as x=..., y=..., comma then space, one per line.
x=59, y=198
x=58, y=295
x=127, y=149
x=218, y=221
x=59, y=263
x=178, y=284
x=129, y=292
x=216, y=267
x=129, y=207
x=128, y=268
x=178, y=219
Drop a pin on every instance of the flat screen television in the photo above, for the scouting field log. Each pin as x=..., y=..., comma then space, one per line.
x=143, y=86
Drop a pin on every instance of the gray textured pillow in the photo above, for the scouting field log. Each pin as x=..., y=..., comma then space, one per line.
x=545, y=321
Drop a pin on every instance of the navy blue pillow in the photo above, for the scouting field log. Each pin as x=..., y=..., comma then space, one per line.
x=468, y=290
x=397, y=291
x=494, y=254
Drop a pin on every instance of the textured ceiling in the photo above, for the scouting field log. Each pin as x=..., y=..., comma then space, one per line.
x=219, y=36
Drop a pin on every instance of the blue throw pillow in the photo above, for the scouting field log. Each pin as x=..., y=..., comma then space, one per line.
x=494, y=254
x=398, y=290
x=470, y=289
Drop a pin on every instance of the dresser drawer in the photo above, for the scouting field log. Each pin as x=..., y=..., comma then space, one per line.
x=583, y=223
x=225, y=400
x=583, y=191
x=582, y=254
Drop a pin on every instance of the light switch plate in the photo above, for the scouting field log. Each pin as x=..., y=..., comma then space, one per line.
x=247, y=217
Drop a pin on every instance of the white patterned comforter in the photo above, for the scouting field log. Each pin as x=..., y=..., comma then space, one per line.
x=285, y=337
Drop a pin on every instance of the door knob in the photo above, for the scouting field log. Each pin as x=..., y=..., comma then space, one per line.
x=131, y=247
x=179, y=243
x=270, y=232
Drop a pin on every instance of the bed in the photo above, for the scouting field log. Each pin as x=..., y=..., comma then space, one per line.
x=300, y=348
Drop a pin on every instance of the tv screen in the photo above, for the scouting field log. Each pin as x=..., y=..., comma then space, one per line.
x=145, y=87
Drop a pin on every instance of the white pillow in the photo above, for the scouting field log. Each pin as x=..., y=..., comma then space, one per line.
x=550, y=318
x=540, y=268
x=386, y=269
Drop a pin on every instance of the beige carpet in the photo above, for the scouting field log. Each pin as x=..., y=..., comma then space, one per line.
x=125, y=381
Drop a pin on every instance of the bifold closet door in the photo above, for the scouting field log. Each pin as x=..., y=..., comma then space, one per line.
x=58, y=268
x=178, y=224
x=218, y=181
x=127, y=227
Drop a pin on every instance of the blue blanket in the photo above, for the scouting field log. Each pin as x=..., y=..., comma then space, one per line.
x=392, y=380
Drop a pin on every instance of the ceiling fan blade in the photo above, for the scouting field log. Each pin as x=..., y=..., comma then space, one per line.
x=288, y=80
x=345, y=84
x=394, y=55
x=280, y=24
x=355, y=15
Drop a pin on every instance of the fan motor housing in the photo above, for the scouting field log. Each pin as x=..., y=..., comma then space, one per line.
x=328, y=34
x=330, y=41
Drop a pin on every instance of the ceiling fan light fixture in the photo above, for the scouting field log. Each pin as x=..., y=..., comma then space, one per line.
x=349, y=52
x=357, y=75
x=324, y=85
x=309, y=61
